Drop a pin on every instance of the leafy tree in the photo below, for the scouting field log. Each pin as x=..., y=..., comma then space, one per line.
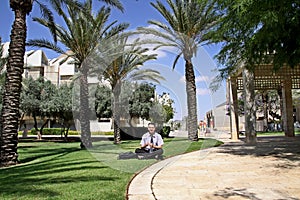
x=141, y=101
x=167, y=102
x=35, y=97
x=103, y=102
x=84, y=31
x=186, y=27
x=58, y=105
x=31, y=98
x=256, y=32
x=48, y=93
x=169, y=112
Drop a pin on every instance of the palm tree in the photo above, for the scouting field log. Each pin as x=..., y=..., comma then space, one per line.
x=12, y=89
x=123, y=62
x=2, y=73
x=83, y=33
x=186, y=27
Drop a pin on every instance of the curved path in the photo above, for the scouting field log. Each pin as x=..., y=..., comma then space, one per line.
x=268, y=171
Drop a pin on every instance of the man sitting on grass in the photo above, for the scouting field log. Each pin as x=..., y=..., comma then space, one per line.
x=151, y=144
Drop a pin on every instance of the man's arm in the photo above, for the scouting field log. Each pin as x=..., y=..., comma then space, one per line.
x=143, y=145
x=160, y=142
x=157, y=147
x=144, y=142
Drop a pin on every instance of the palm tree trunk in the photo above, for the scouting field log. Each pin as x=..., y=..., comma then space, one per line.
x=86, y=139
x=250, y=108
x=12, y=89
x=191, y=101
x=116, y=113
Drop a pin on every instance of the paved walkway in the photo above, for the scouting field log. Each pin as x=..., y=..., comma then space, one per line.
x=268, y=171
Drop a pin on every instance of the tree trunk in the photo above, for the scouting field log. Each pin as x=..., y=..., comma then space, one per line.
x=192, y=121
x=35, y=125
x=41, y=129
x=21, y=121
x=86, y=139
x=250, y=108
x=116, y=113
x=12, y=89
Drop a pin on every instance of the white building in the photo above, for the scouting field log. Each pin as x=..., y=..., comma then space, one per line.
x=60, y=70
x=36, y=64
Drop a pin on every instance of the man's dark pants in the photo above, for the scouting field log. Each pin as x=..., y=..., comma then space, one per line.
x=147, y=154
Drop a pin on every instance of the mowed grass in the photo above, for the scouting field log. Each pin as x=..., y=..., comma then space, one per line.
x=275, y=133
x=53, y=170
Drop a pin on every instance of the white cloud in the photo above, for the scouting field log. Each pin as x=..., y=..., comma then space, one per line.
x=182, y=79
x=203, y=91
x=162, y=51
x=198, y=79
x=202, y=79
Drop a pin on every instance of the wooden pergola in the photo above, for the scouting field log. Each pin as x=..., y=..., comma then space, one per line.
x=265, y=78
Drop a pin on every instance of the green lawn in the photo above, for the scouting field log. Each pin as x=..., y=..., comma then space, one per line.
x=53, y=170
x=274, y=133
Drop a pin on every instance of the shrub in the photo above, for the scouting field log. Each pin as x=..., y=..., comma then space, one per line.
x=57, y=131
x=165, y=131
x=52, y=131
x=33, y=131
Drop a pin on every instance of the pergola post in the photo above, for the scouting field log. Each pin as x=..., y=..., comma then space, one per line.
x=288, y=123
x=233, y=102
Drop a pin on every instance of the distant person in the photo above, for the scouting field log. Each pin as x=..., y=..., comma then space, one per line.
x=151, y=144
x=202, y=126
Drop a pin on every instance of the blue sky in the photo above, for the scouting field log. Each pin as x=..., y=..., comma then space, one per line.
x=137, y=13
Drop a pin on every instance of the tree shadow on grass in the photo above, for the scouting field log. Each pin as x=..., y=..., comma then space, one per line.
x=44, y=168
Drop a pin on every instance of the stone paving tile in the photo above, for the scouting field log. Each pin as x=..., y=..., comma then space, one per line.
x=232, y=171
x=141, y=197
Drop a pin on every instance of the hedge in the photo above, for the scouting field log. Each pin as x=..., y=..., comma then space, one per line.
x=53, y=131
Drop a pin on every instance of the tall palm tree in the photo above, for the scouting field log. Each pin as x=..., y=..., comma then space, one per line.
x=83, y=33
x=123, y=64
x=12, y=88
x=186, y=27
x=2, y=73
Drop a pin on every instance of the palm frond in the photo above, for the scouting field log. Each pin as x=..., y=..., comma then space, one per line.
x=176, y=60
x=160, y=7
x=115, y=3
x=48, y=15
x=44, y=43
x=187, y=24
x=157, y=33
x=146, y=75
